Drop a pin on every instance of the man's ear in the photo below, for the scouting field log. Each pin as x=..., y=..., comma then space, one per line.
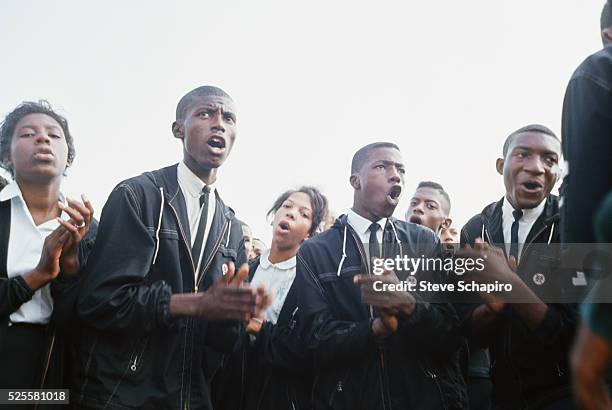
x=499, y=166
x=355, y=183
x=177, y=130
x=447, y=223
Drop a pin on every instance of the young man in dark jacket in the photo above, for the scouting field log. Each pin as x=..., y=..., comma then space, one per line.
x=160, y=286
x=375, y=350
x=587, y=145
x=528, y=342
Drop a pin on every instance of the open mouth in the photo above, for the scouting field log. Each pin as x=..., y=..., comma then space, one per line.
x=284, y=226
x=532, y=185
x=416, y=220
x=217, y=142
x=395, y=192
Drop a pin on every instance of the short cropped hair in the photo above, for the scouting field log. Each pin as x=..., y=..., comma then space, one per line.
x=606, y=16
x=363, y=154
x=317, y=200
x=203, y=91
x=439, y=188
x=7, y=129
x=528, y=128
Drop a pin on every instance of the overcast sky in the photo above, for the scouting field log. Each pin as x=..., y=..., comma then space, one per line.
x=313, y=82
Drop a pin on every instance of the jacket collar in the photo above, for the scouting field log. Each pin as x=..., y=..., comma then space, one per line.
x=492, y=219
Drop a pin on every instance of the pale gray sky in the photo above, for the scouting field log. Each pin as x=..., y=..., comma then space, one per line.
x=314, y=81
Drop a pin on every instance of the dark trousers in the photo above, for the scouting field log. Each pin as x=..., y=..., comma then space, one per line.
x=479, y=393
x=21, y=356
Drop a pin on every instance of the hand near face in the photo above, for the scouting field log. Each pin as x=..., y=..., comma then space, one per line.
x=81, y=216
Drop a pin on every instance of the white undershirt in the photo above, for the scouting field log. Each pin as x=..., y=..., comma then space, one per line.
x=525, y=223
x=277, y=279
x=24, y=249
x=192, y=186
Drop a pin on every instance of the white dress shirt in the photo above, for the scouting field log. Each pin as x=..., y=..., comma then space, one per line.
x=525, y=223
x=191, y=186
x=361, y=225
x=24, y=249
x=277, y=278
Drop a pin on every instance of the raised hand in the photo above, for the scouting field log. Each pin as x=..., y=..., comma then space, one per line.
x=388, y=303
x=48, y=266
x=230, y=298
x=81, y=216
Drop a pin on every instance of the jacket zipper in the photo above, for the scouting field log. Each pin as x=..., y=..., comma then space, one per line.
x=508, y=337
x=137, y=355
x=434, y=377
x=211, y=256
x=381, y=354
x=178, y=221
x=526, y=246
x=47, y=363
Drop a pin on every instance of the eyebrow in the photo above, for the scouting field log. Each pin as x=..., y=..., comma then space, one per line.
x=215, y=107
x=546, y=151
x=47, y=127
x=387, y=162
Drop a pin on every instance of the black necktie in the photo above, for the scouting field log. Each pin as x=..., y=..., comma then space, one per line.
x=197, y=244
x=517, y=214
x=374, y=244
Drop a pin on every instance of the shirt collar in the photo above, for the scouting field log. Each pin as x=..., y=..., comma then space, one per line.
x=190, y=181
x=265, y=263
x=361, y=224
x=10, y=191
x=529, y=215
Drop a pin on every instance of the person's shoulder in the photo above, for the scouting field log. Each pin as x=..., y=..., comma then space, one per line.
x=146, y=183
x=597, y=68
x=489, y=212
x=321, y=243
x=415, y=232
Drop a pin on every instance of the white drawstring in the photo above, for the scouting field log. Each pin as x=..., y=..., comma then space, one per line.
x=343, y=252
x=161, y=212
x=552, y=229
x=397, y=239
x=482, y=235
x=228, y=233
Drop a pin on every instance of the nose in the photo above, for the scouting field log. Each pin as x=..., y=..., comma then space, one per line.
x=418, y=209
x=217, y=121
x=42, y=138
x=394, y=175
x=290, y=214
x=534, y=165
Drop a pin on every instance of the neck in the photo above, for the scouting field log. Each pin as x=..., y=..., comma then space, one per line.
x=367, y=214
x=41, y=198
x=279, y=253
x=206, y=175
x=511, y=202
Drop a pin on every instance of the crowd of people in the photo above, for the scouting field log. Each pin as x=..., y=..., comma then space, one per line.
x=170, y=302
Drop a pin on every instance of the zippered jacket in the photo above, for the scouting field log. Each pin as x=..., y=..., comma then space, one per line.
x=132, y=354
x=415, y=368
x=268, y=371
x=529, y=368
